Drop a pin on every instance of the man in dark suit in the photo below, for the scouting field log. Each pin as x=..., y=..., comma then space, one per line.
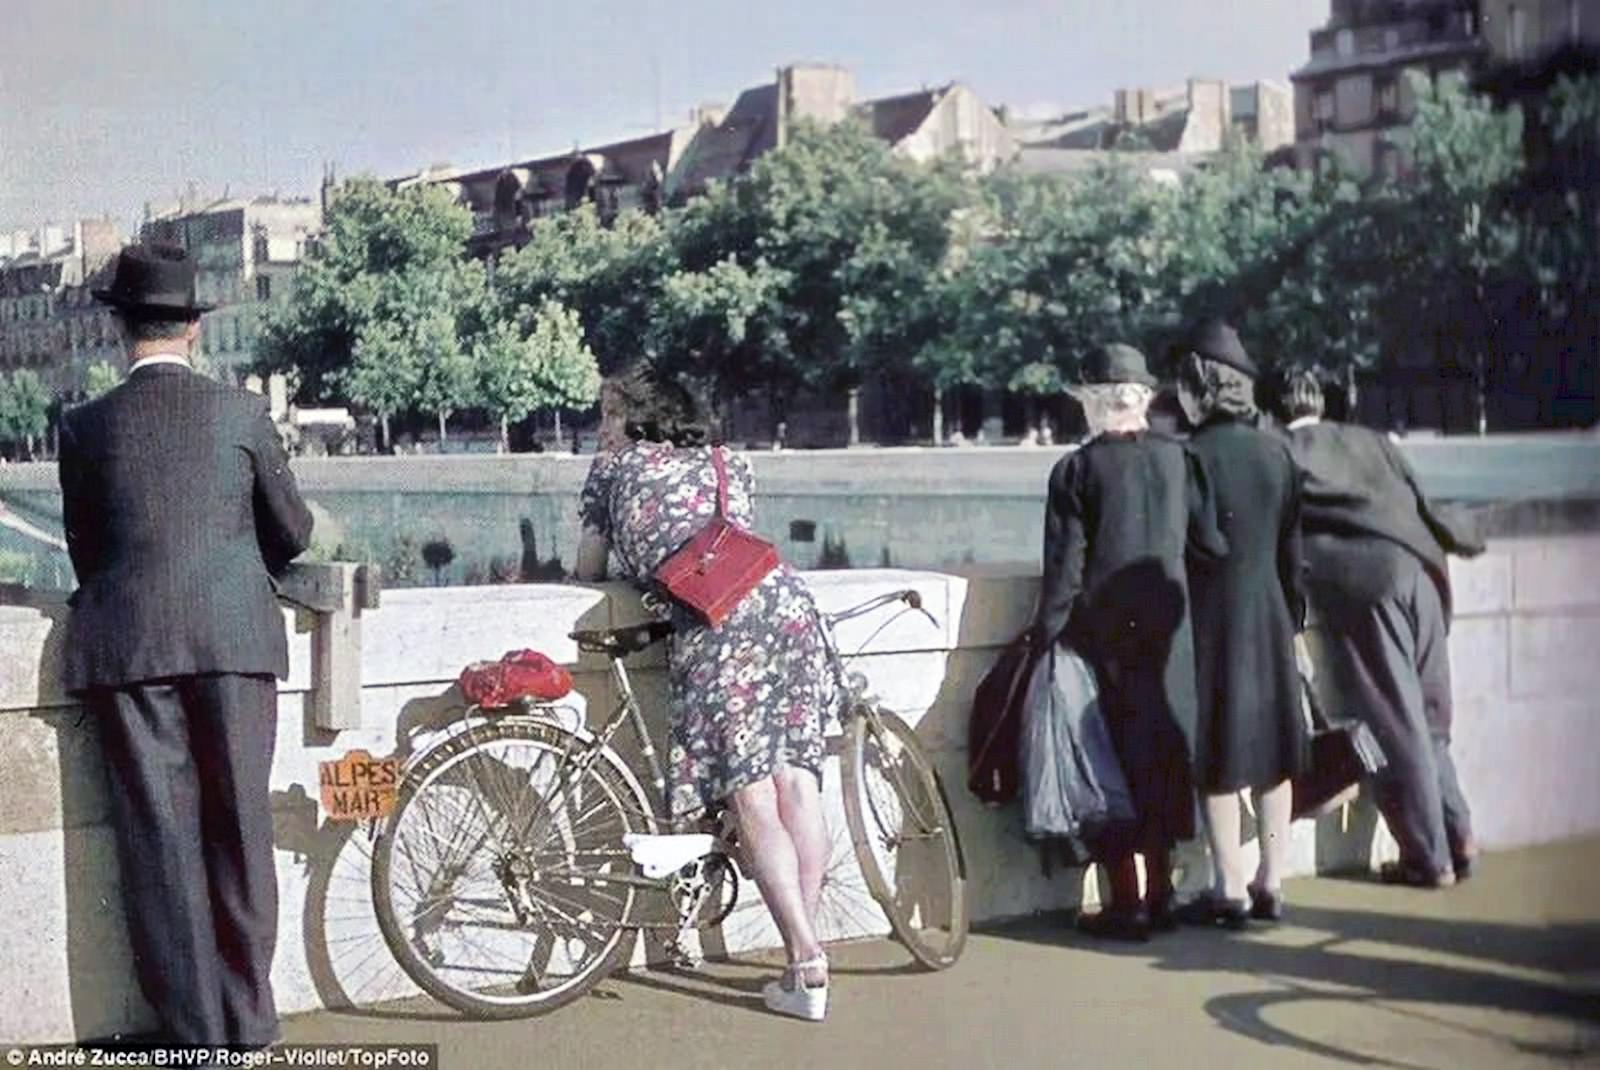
x=1375, y=553
x=179, y=506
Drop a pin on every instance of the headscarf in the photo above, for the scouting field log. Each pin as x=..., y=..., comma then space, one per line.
x=1218, y=388
x=1117, y=408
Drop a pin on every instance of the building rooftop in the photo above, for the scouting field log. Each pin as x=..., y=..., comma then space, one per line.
x=749, y=129
x=896, y=118
x=1330, y=64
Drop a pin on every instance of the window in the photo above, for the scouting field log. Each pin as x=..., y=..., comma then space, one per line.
x=1574, y=21
x=1516, y=32
x=1322, y=109
x=1387, y=161
x=263, y=252
x=1344, y=42
x=1391, y=39
x=263, y=288
x=1388, y=94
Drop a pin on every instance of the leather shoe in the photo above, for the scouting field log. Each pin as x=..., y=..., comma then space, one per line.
x=1127, y=926
x=1215, y=912
x=1265, y=905
x=1403, y=873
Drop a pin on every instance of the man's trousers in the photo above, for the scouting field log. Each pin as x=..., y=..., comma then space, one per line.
x=189, y=760
x=1388, y=664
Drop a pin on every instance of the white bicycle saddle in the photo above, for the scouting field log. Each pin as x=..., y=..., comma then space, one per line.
x=661, y=855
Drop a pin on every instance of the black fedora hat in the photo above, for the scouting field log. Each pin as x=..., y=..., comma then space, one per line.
x=1116, y=363
x=1215, y=339
x=155, y=280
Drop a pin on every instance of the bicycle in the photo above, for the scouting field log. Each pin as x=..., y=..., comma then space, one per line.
x=531, y=910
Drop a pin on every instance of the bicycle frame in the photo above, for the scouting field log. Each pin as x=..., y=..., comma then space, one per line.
x=628, y=711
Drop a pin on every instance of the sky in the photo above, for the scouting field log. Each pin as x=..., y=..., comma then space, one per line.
x=108, y=104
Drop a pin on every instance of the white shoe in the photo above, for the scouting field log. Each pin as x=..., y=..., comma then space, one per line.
x=809, y=1002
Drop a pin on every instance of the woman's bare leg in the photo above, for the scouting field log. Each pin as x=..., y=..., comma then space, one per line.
x=1227, y=853
x=1274, y=809
x=800, y=810
x=771, y=852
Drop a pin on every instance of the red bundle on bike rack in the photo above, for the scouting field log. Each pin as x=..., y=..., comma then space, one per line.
x=520, y=674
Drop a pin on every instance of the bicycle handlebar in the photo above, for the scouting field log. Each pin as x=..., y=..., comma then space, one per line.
x=620, y=642
x=911, y=598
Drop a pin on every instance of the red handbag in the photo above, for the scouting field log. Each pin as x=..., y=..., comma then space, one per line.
x=520, y=674
x=711, y=573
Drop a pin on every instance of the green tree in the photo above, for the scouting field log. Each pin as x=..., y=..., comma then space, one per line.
x=100, y=377
x=610, y=275
x=24, y=409
x=783, y=275
x=384, y=372
x=1067, y=264
x=447, y=379
x=378, y=297
x=1449, y=242
x=551, y=366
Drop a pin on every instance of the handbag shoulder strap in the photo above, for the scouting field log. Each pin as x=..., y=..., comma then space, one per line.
x=721, y=466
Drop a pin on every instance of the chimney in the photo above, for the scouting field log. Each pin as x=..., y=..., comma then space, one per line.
x=1209, y=118
x=817, y=92
x=1134, y=107
x=710, y=113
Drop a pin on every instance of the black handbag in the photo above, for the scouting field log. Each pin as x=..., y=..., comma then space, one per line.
x=994, y=731
x=1342, y=755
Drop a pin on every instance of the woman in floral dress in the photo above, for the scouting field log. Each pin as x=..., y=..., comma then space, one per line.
x=749, y=698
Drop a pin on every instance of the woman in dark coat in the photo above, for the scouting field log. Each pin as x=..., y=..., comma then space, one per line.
x=1251, y=730
x=1122, y=511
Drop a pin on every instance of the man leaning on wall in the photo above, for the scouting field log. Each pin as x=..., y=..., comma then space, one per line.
x=1379, y=584
x=179, y=506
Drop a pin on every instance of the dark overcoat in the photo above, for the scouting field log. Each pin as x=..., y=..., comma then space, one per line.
x=178, y=505
x=1123, y=513
x=1251, y=728
x=1361, y=499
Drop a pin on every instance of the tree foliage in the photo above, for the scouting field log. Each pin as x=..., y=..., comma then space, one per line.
x=25, y=404
x=552, y=366
x=835, y=259
x=100, y=377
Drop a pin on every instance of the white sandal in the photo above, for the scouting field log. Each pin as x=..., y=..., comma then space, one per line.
x=803, y=1000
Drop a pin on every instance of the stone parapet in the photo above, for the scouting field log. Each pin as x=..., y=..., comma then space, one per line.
x=1529, y=617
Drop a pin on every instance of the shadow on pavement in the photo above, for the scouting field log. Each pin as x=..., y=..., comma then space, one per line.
x=1332, y=956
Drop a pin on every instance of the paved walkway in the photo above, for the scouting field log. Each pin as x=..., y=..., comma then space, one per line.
x=1500, y=972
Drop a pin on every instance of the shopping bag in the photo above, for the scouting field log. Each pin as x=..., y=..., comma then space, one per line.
x=1073, y=783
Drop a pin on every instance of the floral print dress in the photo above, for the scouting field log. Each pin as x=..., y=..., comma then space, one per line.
x=751, y=695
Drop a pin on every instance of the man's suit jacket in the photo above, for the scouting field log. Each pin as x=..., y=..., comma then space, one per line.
x=179, y=506
x=1362, y=505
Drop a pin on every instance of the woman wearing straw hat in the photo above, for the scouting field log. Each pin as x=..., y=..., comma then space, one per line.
x=1123, y=510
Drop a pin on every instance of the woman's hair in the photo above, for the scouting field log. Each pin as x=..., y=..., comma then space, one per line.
x=1302, y=396
x=656, y=407
x=1114, y=406
x=1218, y=387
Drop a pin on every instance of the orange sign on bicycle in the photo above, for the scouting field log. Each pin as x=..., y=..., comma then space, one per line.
x=358, y=786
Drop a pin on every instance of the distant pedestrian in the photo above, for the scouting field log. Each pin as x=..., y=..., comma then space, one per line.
x=1252, y=733
x=1124, y=511
x=179, y=505
x=1380, y=587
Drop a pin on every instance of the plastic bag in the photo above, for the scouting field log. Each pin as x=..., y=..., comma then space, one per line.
x=1072, y=782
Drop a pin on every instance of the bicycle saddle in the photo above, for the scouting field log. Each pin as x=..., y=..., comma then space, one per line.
x=619, y=642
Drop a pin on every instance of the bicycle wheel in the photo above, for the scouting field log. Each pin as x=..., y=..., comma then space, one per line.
x=905, y=836
x=490, y=881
